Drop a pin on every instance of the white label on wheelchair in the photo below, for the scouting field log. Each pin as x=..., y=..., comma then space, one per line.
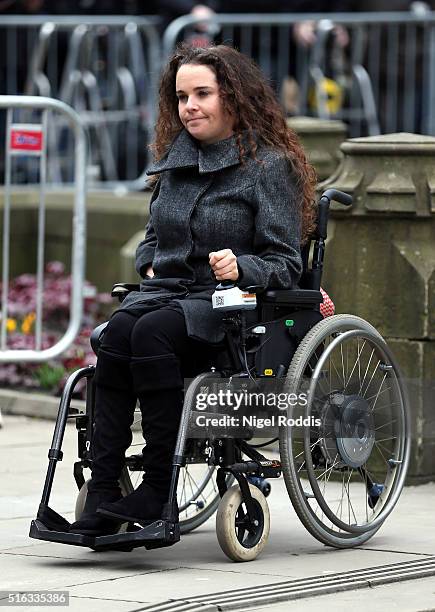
x=234, y=299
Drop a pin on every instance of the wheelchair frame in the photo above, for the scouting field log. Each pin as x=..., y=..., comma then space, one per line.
x=227, y=454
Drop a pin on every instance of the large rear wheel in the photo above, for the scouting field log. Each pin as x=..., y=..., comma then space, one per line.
x=345, y=460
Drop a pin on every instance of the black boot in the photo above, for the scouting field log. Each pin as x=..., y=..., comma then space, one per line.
x=114, y=409
x=115, y=401
x=143, y=505
x=90, y=523
x=161, y=411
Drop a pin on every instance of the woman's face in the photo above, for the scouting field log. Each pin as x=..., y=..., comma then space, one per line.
x=200, y=106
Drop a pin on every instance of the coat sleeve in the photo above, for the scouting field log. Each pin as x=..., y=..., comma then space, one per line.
x=146, y=248
x=276, y=261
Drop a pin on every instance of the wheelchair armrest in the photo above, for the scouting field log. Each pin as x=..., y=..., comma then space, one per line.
x=96, y=335
x=121, y=290
x=308, y=297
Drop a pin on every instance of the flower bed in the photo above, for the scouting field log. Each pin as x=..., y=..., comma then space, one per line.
x=50, y=377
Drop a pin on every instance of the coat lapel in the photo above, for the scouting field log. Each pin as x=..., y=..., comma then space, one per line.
x=186, y=153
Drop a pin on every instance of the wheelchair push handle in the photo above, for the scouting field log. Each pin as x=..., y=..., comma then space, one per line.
x=337, y=196
x=323, y=208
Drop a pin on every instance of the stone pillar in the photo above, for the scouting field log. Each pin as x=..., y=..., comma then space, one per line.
x=321, y=139
x=380, y=262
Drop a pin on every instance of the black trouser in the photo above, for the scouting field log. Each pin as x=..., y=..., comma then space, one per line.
x=142, y=357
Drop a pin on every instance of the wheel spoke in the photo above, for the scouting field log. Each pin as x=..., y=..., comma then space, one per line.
x=190, y=484
x=335, y=462
x=342, y=365
x=357, y=361
x=350, y=506
x=387, y=450
x=340, y=505
x=379, y=394
x=381, y=453
x=376, y=395
x=366, y=497
x=385, y=424
x=386, y=439
x=183, y=490
x=335, y=368
x=366, y=372
x=371, y=378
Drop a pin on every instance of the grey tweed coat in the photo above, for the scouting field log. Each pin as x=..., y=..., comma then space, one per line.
x=206, y=200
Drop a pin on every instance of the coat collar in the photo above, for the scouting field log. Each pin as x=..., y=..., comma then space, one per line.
x=185, y=152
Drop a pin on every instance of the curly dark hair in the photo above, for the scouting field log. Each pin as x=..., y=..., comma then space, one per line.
x=248, y=97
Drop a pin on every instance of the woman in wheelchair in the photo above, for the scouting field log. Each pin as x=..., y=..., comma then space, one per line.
x=233, y=200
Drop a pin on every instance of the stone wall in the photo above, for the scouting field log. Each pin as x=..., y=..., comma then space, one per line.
x=380, y=263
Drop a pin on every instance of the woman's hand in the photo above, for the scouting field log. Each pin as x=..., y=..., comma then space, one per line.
x=150, y=272
x=224, y=265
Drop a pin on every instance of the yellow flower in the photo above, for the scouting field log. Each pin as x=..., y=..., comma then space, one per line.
x=11, y=325
x=27, y=324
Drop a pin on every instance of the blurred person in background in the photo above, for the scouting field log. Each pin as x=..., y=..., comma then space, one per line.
x=304, y=32
x=302, y=37
x=168, y=10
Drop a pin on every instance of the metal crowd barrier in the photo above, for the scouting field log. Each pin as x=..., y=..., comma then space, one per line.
x=386, y=74
x=106, y=68
x=30, y=139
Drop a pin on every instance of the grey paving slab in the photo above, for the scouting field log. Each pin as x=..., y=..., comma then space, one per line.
x=88, y=604
x=60, y=573
x=179, y=583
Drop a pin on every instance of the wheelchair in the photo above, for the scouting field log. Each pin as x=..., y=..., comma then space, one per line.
x=344, y=459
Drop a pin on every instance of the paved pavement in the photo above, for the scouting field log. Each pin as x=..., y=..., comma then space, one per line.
x=195, y=566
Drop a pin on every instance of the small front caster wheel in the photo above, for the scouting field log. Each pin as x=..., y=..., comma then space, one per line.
x=239, y=539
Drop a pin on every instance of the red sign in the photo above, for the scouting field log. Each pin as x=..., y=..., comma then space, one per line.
x=26, y=139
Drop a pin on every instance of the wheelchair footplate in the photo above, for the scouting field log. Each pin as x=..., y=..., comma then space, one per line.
x=52, y=527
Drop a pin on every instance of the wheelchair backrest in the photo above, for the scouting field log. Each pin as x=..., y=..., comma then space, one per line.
x=312, y=273
x=310, y=278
